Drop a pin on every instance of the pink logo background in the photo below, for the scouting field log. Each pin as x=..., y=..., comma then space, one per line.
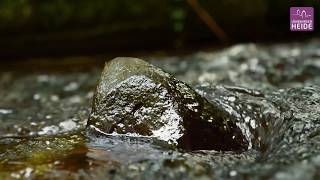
x=301, y=19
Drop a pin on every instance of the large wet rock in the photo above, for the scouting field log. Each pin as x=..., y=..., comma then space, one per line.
x=134, y=97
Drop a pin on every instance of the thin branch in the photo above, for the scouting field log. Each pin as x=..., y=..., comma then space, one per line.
x=209, y=21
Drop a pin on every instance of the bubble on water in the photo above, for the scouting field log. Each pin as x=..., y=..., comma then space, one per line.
x=244, y=67
x=75, y=99
x=233, y=173
x=72, y=86
x=231, y=99
x=67, y=125
x=90, y=94
x=27, y=172
x=54, y=98
x=295, y=52
x=43, y=78
x=49, y=130
x=36, y=96
x=33, y=124
x=236, y=50
x=208, y=77
x=15, y=175
x=6, y=111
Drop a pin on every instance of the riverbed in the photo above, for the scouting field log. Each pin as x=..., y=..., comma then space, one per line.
x=271, y=91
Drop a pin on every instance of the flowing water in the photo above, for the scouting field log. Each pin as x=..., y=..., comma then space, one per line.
x=272, y=92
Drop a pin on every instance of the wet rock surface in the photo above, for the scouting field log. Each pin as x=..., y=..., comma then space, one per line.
x=271, y=93
x=135, y=97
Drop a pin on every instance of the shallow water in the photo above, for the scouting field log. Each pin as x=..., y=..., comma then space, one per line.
x=272, y=92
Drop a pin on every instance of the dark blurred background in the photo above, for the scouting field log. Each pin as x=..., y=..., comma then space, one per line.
x=54, y=28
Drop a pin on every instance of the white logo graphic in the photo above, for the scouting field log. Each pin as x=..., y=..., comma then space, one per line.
x=302, y=14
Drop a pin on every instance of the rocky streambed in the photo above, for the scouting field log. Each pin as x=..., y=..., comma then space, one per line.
x=245, y=112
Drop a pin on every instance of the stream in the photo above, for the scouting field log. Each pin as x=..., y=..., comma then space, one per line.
x=272, y=92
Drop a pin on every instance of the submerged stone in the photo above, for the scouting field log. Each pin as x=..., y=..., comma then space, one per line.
x=134, y=97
